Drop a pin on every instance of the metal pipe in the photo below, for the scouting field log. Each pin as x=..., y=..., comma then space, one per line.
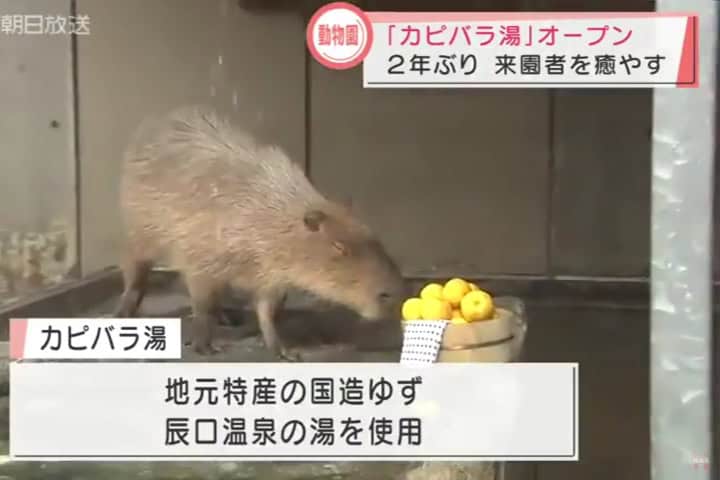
x=681, y=273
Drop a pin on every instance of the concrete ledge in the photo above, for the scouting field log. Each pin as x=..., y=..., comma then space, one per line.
x=66, y=299
x=80, y=295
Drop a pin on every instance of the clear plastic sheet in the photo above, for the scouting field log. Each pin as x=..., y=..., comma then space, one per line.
x=682, y=198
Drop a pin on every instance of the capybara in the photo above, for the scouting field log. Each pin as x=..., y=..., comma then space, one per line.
x=226, y=211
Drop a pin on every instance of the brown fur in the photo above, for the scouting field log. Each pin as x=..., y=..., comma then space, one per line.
x=228, y=212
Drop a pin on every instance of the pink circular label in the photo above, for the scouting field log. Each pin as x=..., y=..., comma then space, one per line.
x=339, y=35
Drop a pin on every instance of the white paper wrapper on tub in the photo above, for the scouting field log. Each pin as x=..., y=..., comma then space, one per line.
x=422, y=340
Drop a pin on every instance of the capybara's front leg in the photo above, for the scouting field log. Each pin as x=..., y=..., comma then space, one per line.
x=267, y=305
x=203, y=300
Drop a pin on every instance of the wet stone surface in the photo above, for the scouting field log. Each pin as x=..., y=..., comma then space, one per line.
x=201, y=471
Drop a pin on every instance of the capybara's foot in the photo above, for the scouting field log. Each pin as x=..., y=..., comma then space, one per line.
x=288, y=355
x=204, y=348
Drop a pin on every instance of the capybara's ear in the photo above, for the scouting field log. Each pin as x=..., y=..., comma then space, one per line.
x=313, y=219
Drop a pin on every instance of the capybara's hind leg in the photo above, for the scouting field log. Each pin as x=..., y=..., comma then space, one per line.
x=203, y=299
x=221, y=315
x=135, y=278
x=236, y=319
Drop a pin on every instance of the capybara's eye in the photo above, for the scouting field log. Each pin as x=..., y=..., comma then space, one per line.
x=340, y=247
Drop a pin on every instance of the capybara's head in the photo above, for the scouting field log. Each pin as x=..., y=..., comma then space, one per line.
x=352, y=267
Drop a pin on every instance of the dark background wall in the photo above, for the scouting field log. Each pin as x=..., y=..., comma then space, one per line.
x=496, y=181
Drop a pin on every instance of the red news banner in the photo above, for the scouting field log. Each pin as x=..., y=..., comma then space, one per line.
x=518, y=49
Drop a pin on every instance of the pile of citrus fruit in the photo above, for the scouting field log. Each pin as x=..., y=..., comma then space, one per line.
x=457, y=300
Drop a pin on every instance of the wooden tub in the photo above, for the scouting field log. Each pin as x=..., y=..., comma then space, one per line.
x=499, y=339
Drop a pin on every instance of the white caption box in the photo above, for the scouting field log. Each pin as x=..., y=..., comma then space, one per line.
x=120, y=411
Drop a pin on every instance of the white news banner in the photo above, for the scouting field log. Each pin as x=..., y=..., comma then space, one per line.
x=95, y=338
x=532, y=50
x=305, y=411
